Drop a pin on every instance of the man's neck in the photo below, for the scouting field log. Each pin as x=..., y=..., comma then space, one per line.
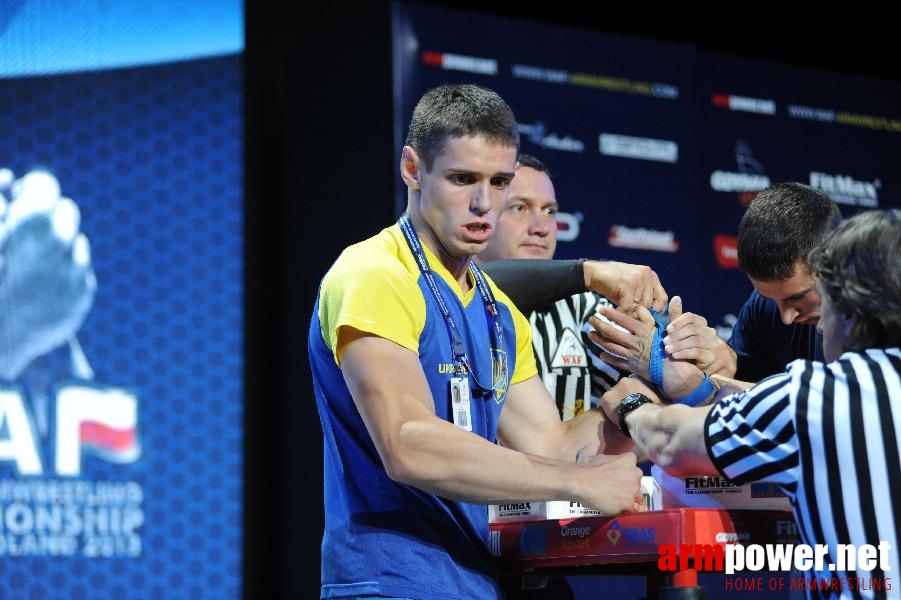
x=458, y=267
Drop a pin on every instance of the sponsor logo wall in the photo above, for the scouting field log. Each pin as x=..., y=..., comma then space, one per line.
x=656, y=148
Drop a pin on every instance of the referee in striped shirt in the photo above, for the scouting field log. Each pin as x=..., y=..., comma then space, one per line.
x=826, y=432
x=559, y=296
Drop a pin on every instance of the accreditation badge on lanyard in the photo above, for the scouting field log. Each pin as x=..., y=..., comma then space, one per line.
x=459, y=391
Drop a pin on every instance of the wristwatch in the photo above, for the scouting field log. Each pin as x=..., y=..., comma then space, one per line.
x=627, y=405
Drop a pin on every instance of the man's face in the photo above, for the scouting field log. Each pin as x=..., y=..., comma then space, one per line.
x=796, y=296
x=527, y=227
x=834, y=328
x=462, y=195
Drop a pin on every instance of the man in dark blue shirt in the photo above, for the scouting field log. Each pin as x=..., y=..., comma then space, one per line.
x=777, y=323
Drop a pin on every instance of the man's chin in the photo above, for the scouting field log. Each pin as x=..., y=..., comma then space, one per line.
x=533, y=253
x=476, y=248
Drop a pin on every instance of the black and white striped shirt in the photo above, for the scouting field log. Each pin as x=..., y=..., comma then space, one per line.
x=829, y=435
x=568, y=362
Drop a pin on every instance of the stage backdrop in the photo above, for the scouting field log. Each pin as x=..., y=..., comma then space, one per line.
x=121, y=294
x=657, y=148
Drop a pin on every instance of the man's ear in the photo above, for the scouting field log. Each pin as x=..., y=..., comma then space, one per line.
x=847, y=324
x=410, y=168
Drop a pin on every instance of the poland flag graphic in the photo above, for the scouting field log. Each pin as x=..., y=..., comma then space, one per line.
x=100, y=421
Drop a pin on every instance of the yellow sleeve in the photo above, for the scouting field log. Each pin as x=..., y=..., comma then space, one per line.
x=525, y=356
x=377, y=296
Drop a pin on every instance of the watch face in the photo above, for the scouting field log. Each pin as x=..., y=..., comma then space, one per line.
x=627, y=405
x=634, y=400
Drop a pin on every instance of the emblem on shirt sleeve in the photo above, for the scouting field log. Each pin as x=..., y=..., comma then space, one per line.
x=570, y=352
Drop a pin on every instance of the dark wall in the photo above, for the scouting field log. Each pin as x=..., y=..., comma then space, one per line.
x=320, y=173
x=321, y=167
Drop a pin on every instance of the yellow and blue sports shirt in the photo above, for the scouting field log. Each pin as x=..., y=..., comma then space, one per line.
x=383, y=537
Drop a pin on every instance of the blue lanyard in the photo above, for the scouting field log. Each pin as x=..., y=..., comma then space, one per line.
x=461, y=362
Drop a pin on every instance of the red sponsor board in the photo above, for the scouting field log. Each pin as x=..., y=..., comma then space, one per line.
x=726, y=249
x=432, y=59
x=634, y=537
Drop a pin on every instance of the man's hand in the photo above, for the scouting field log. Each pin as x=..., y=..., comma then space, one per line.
x=47, y=284
x=617, y=483
x=725, y=361
x=689, y=338
x=671, y=435
x=631, y=350
x=628, y=286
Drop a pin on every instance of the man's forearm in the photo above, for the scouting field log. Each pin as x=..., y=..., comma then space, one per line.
x=440, y=458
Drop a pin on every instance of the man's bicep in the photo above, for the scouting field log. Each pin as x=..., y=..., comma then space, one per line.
x=372, y=368
x=530, y=422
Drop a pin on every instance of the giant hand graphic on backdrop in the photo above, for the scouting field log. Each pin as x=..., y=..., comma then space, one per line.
x=47, y=283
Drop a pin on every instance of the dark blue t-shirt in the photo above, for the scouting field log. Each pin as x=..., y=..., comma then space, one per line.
x=765, y=345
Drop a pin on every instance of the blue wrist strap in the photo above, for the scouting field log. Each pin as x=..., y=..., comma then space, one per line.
x=694, y=397
x=699, y=394
x=657, y=353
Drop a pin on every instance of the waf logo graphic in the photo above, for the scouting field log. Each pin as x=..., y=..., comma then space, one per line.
x=89, y=420
x=570, y=352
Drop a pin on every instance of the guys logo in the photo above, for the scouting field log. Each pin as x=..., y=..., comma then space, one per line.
x=747, y=180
